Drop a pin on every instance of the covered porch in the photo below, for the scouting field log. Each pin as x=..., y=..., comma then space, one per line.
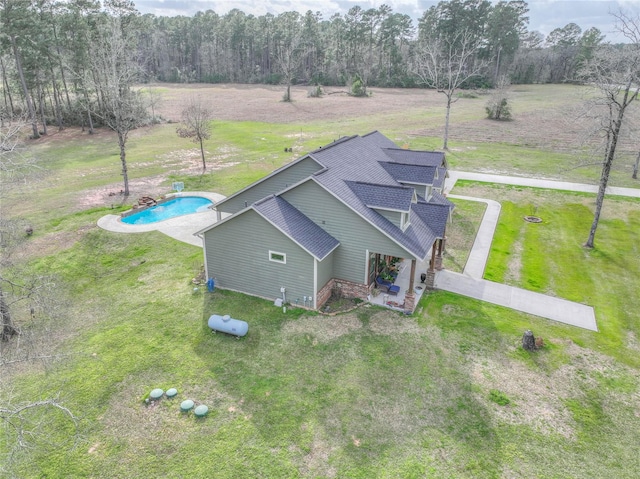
x=412, y=278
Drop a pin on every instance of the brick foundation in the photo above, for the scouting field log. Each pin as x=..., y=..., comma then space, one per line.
x=430, y=282
x=347, y=289
x=324, y=294
x=409, y=303
x=438, y=264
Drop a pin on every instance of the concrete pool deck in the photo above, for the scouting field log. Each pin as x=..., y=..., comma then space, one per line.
x=181, y=228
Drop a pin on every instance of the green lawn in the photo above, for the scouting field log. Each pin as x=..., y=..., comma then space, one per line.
x=446, y=392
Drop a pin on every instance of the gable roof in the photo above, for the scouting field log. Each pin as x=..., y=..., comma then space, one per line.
x=359, y=160
x=379, y=139
x=386, y=197
x=265, y=178
x=435, y=215
x=415, y=174
x=356, y=170
x=295, y=225
x=415, y=157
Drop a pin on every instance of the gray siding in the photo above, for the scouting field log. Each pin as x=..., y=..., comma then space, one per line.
x=325, y=270
x=354, y=233
x=238, y=257
x=270, y=186
x=394, y=216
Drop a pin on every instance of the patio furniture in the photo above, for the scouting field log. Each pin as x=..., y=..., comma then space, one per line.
x=383, y=283
x=388, y=285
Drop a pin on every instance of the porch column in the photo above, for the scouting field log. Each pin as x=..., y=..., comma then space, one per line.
x=412, y=276
x=410, y=297
x=438, y=258
x=431, y=272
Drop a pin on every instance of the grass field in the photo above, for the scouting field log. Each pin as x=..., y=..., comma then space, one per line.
x=446, y=392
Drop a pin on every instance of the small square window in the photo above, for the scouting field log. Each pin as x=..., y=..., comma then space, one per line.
x=277, y=257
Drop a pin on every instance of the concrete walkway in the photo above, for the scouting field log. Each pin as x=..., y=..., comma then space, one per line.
x=479, y=254
x=470, y=282
x=549, y=307
x=181, y=228
x=536, y=183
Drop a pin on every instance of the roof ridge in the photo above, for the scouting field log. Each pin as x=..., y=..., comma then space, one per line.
x=262, y=200
x=339, y=141
x=411, y=150
x=408, y=164
x=381, y=185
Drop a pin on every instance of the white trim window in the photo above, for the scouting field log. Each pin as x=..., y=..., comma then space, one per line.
x=277, y=257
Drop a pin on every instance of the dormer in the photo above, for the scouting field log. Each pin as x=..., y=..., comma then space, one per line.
x=389, y=201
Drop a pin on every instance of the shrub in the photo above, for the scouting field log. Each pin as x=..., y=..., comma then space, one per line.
x=358, y=88
x=315, y=92
x=498, y=109
x=467, y=94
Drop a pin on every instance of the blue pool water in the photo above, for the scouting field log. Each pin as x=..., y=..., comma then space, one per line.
x=183, y=205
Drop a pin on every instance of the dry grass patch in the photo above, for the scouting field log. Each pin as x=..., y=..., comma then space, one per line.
x=316, y=462
x=391, y=324
x=129, y=418
x=323, y=329
x=536, y=399
x=514, y=266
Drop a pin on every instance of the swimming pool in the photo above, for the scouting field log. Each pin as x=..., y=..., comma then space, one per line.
x=182, y=205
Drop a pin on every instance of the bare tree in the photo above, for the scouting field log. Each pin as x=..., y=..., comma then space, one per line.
x=15, y=19
x=22, y=295
x=154, y=99
x=28, y=302
x=288, y=55
x=115, y=71
x=630, y=28
x=615, y=76
x=15, y=167
x=34, y=425
x=196, y=119
x=446, y=64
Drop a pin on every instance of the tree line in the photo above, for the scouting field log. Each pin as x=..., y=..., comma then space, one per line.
x=48, y=48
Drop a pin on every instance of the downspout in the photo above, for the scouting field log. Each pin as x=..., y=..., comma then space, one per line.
x=204, y=250
x=315, y=283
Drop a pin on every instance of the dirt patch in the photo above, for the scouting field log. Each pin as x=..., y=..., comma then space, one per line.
x=389, y=324
x=324, y=329
x=514, y=266
x=264, y=102
x=536, y=400
x=316, y=462
x=328, y=328
x=128, y=418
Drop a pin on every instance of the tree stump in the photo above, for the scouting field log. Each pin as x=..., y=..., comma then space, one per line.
x=528, y=341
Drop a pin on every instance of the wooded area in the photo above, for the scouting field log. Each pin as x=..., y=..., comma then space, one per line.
x=50, y=51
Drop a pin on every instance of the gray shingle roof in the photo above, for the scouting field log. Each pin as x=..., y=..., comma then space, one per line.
x=438, y=199
x=383, y=196
x=358, y=160
x=413, y=157
x=442, y=173
x=356, y=170
x=377, y=138
x=434, y=215
x=296, y=226
x=410, y=173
